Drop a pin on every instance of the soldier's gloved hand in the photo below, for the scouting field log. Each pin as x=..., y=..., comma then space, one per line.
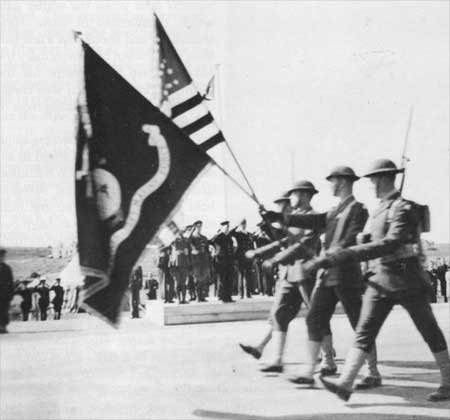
x=273, y=216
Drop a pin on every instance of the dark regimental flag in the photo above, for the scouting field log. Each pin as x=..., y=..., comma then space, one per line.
x=181, y=98
x=133, y=166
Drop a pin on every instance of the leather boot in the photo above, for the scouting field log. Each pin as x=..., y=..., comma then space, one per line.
x=443, y=392
x=306, y=378
x=343, y=386
x=328, y=366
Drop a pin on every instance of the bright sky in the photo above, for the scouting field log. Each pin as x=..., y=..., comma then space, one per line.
x=304, y=86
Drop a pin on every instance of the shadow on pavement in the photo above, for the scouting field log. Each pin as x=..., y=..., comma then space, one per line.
x=220, y=415
x=430, y=375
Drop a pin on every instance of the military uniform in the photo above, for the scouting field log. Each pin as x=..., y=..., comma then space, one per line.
x=57, y=300
x=245, y=267
x=224, y=265
x=265, y=280
x=44, y=300
x=200, y=259
x=343, y=283
x=25, y=305
x=165, y=279
x=179, y=266
x=398, y=278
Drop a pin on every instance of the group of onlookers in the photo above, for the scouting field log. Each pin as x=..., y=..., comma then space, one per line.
x=194, y=267
x=438, y=270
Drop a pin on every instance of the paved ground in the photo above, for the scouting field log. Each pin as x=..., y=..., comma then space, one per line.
x=83, y=369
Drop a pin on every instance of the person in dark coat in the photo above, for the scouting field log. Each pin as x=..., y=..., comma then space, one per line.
x=6, y=291
x=135, y=289
x=245, y=267
x=26, y=294
x=225, y=259
x=58, y=298
x=44, y=298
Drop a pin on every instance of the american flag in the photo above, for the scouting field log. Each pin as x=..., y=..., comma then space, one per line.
x=181, y=98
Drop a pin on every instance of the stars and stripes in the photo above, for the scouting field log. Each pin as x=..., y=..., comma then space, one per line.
x=180, y=98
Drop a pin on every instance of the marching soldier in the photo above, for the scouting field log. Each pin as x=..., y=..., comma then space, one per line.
x=179, y=264
x=290, y=294
x=6, y=291
x=343, y=283
x=224, y=262
x=58, y=299
x=244, y=243
x=399, y=278
x=200, y=260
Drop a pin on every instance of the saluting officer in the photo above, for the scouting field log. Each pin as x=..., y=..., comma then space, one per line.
x=179, y=265
x=342, y=283
x=398, y=278
x=200, y=260
x=224, y=262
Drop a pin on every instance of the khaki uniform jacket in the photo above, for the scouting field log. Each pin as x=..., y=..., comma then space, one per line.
x=394, y=247
x=340, y=225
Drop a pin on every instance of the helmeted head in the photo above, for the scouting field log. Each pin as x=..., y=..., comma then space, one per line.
x=382, y=173
x=301, y=193
x=283, y=202
x=198, y=224
x=243, y=224
x=341, y=179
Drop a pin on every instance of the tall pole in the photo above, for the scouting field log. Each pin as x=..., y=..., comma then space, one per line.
x=405, y=159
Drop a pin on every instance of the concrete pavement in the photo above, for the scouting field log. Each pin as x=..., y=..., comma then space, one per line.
x=81, y=368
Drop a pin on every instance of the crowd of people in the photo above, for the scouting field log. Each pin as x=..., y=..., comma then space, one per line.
x=194, y=267
x=37, y=301
x=438, y=271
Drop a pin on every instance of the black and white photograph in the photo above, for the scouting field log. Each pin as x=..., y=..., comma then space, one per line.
x=224, y=210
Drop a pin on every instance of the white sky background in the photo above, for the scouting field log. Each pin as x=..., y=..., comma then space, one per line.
x=326, y=82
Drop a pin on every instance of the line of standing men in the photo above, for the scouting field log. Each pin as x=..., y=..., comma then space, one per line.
x=192, y=262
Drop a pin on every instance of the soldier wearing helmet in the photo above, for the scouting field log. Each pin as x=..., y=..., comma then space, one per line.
x=398, y=278
x=343, y=283
x=288, y=297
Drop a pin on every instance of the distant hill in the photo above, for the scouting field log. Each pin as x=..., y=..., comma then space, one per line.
x=441, y=250
x=27, y=260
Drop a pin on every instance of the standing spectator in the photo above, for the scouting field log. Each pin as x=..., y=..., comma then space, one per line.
x=200, y=261
x=135, y=288
x=440, y=270
x=58, y=298
x=165, y=279
x=432, y=275
x=44, y=298
x=179, y=264
x=6, y=291
x=152, y=286
x=224, y=255
x=244, y=243
x=26, y=293
x=264, y=279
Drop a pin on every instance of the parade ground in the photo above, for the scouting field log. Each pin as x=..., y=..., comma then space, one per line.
x=81, y=368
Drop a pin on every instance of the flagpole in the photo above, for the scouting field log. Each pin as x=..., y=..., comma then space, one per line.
x=252, y=192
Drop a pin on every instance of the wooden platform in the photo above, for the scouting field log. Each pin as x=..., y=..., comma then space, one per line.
x=211, y=311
